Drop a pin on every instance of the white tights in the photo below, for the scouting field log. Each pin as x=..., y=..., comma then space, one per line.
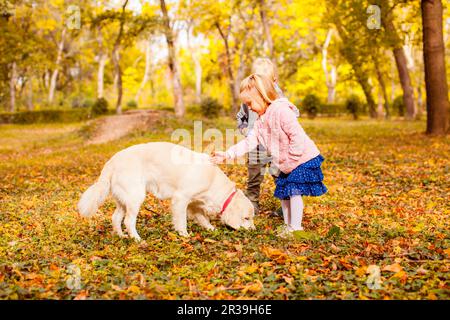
x=293, y=212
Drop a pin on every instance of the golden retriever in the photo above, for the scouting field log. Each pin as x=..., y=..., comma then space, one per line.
x=198, y=189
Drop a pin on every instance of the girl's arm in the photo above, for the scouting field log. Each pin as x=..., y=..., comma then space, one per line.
x=244, y=146
x=238, y=150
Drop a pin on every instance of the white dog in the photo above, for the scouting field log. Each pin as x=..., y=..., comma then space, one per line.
x=198, y=189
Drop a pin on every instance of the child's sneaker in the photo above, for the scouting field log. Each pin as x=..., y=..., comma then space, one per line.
x=287, y=232
x=284, y=232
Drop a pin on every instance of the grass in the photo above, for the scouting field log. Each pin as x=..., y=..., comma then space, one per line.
x=387, y=206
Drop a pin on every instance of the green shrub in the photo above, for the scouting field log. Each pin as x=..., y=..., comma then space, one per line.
x=311, y=104
x=194, y=110
x=164, y=107
x=80, y=102
x=6, y=117
x=398, y=106
x=45, y=116
x=332, y=109
x=354, y=106
x=100, y=106
x=132, y=104
x=210, y=107
x=88, y=103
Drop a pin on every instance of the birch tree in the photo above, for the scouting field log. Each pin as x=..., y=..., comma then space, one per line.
x=102, y=58
x=54, y=77
x=330, y=74
x=147, y=70
x=173, y=62
x=12, y=87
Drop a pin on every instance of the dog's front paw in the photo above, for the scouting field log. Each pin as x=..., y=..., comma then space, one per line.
x=183, y=233
x=120, y=235
x=143, y=244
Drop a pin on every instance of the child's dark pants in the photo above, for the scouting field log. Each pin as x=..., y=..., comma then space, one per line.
x=255, y=178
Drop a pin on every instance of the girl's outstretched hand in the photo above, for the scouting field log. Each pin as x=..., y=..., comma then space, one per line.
x=218, y=157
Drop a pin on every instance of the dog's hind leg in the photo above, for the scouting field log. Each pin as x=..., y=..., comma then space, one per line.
x=130, y=221
x=179, y=214
x=117, y=219
x=133, y=205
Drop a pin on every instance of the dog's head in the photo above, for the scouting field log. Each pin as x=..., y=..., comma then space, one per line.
x=239, y=213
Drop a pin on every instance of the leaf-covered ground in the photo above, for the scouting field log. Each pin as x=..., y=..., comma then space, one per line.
x=387, y=210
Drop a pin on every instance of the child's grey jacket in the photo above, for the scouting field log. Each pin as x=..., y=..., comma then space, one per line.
x=246, y=119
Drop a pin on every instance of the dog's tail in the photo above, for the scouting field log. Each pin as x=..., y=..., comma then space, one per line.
x=96, y=194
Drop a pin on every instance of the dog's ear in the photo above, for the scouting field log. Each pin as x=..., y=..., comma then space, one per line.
x=239, y=213
x=232, y=216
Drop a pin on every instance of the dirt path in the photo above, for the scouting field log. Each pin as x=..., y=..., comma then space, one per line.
x=117, y=126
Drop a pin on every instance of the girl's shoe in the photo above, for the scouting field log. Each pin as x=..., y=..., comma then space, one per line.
x=287, y=232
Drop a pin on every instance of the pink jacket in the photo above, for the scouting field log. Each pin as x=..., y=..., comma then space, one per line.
x=280, y=133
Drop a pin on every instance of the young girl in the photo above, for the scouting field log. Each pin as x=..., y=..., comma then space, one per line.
x=258, y=159
x=293, y=152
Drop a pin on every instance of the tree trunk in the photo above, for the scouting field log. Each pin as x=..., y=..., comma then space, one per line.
x=266, y=28
x=173, y=63
x=12, y=88
x=148, y=64
x=54, y=78
x=100, y=75
x=197, y=66
x=380, y=105
x=101, y=65
x=198, y=78
x=231, y=80
x=435, y=73
x=363, y=81
x=405, y=81
x=446, y=32
x=46, y=78
x=330, y=76
x=152, y=88
x=116, y=60
x=419, y=101
x=383, y=90
x=30, y=106
x=401, y=62
x=241, y=69
x=331, y=97
x=118, y=72
x=393, y=84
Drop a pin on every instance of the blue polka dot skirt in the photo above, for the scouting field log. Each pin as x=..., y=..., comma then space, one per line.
x=305, y=180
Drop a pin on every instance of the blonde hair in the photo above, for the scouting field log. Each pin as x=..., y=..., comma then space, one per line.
x=262, y=84
x=265, y=67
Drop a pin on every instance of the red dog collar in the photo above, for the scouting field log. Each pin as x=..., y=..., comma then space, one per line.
x=227, y=202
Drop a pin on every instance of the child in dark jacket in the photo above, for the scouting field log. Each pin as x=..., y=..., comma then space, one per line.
x=292, y=150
